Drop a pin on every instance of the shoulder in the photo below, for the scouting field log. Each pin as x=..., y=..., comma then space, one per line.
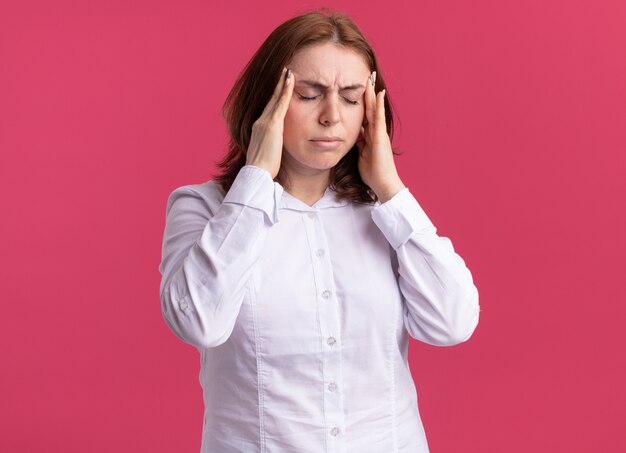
x=207, y=195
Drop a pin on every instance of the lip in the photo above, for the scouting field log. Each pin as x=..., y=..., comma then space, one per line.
x=326, y=139
x=326, y=142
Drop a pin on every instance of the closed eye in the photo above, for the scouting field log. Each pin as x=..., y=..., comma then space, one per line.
x=305, y=98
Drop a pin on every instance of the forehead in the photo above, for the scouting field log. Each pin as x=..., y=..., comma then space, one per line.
x=329, y=64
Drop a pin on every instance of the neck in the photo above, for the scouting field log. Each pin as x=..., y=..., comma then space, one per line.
x=308, y=187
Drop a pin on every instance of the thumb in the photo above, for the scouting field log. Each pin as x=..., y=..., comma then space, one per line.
x=285, y=96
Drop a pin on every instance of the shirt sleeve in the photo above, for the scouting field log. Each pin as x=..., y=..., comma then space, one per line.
x=440, y=299
x=207, y=257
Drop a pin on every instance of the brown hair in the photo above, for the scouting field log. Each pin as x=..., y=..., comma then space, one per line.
x=255, y=85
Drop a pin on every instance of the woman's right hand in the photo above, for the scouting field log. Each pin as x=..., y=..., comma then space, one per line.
x=266, y=142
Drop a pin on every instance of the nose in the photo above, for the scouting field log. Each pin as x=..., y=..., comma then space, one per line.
x=330, y=110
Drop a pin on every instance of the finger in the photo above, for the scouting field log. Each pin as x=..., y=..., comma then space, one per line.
x=282, y=105
x=370, y=99
x=380, y=123
x=270, y=106
x=279, y=85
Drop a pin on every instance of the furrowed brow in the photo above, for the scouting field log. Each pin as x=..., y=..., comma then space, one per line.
x=314, y=84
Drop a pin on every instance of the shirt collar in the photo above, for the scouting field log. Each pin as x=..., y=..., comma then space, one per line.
x=328, y=200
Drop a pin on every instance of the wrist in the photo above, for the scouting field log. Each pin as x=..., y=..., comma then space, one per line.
x=260, y=165
x=387, y=192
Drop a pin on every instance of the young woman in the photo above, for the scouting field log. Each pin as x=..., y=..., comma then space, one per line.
x=300, y=271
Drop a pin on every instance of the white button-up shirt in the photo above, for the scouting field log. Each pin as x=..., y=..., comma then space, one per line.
x=301, y=314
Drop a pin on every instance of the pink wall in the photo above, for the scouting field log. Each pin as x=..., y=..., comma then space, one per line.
x=513, y=123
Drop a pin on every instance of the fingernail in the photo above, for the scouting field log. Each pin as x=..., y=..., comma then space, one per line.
x=373, y=78
x=288, y=77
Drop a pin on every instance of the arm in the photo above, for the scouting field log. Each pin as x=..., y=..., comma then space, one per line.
x=440, y=300
x=208, y=257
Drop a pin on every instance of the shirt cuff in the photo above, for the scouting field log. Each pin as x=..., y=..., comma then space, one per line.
x=399, y=217
x=254, y=187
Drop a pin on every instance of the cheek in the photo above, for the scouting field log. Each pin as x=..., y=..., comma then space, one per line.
x=289, y=125
x=355, y=121
x=294, y=117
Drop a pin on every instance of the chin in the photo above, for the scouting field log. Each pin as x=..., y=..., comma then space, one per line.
x=330, y=154
x=325, y=161
x=314, y=158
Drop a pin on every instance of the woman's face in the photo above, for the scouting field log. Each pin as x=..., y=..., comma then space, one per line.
x=334, y=78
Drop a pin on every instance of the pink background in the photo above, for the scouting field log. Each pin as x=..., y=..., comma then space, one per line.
x=513, y=126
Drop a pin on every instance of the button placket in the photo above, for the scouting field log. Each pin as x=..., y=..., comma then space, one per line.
x=329, y=324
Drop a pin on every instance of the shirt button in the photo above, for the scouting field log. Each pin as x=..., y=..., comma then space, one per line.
x=331, y=341
x=334, y=431
x=332, y=386
x=320, y=252
x=183, y=305
x=326, y=294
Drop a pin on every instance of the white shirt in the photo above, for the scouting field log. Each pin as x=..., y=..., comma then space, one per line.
x=301, y=313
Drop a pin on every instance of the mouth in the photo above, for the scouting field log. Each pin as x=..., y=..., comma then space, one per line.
x=326, y=142
x=326, y=139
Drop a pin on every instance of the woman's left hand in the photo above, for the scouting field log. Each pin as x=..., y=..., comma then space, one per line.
x=376, y=164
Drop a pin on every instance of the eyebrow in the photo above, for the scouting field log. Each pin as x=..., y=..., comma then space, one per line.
x=315, y=84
